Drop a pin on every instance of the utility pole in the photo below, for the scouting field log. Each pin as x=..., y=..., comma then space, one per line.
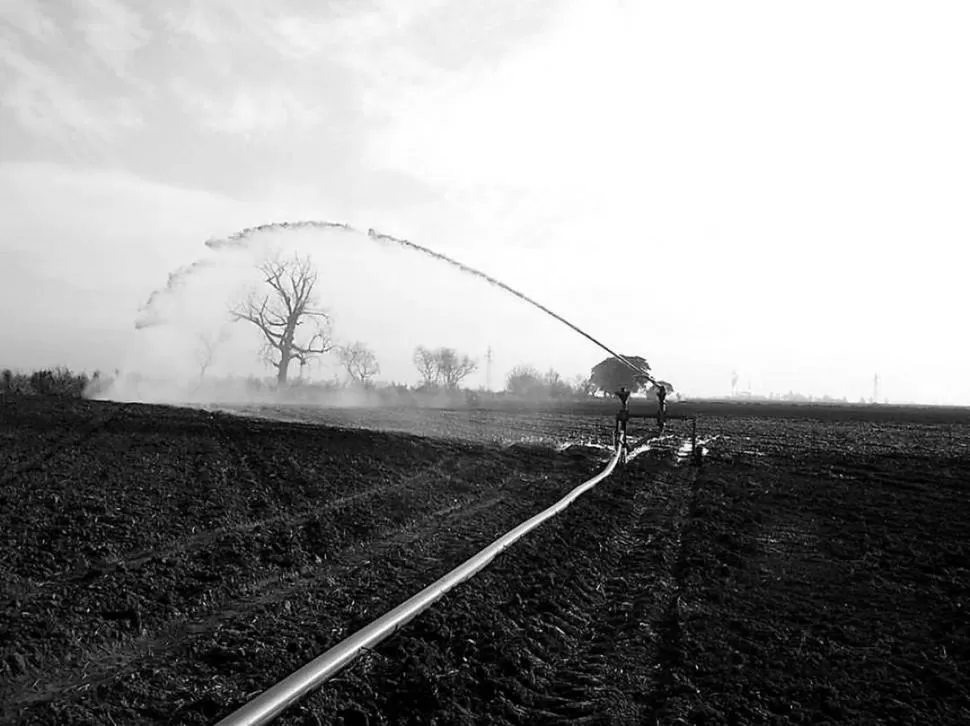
x=488, y=369
x=875, y=388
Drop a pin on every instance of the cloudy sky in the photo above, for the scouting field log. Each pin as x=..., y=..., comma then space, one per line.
x=774, y=188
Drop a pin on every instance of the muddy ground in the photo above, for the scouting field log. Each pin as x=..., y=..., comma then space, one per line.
x=162, y=565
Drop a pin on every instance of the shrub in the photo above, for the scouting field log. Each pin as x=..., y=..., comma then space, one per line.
x=57, y=382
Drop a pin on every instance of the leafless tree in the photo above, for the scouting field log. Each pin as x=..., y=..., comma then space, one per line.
x=205, y=349
x=427, y=365
x=453, y=367
x=280, y=311
x=204, y=352
x=359, y=361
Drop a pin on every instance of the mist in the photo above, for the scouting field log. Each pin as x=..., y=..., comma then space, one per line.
x=374, y=289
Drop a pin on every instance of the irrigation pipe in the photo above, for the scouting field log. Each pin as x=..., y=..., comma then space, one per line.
x=269, y=704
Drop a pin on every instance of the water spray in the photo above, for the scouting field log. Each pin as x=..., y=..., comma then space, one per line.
x=239, y=240
x=522, y=296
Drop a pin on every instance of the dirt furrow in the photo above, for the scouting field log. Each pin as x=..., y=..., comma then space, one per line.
x=133, y=560
x=107, y=662
x=565, y=627
x=62, y=440
x=265, y=557
x=338, y=594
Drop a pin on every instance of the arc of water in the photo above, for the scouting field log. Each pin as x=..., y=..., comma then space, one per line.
x=239, y=237
x=522, y=296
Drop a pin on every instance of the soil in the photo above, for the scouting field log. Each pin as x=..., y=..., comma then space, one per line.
x=163, y=565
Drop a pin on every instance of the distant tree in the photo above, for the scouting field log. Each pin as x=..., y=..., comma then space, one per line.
x=555, y=386
x=443, y=366
x=204, y=353
x=279, y=312
x=205, y=349
x=583, y=385
x=453, y=367
x=611, y=373
x=359, y=361
x=426, y=363
x=524, y=381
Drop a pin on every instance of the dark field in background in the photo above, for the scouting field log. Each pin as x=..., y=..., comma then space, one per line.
x=161, y=565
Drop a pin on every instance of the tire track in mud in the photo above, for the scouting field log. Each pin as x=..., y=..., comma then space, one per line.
x=118, y=659
x=134, y=560
x=194, y=542
x=572, y=625
x=344, y=590
x=604, y=679
x=425, y=494
x=609, y=621
x=207, y=543
x=84, y=645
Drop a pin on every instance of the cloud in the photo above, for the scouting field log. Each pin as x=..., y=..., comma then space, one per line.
x=191, y=20
x=223, y=24
x=78, y=228
x=29, y=18
x=81, y=251
x=267, y=110
x=249, y=112
x=113, y=31
x=46, y=103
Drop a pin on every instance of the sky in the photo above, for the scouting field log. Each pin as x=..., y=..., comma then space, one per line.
x=777, y=189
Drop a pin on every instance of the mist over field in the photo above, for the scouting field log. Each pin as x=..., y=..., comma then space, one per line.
x=373, y=290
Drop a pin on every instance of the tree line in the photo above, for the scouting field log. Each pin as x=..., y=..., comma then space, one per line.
x=295, y=329
x=606, y=377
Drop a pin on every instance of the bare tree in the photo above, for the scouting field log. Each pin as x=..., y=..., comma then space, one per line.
x=426, y=363
x=452, y=367
x=280, y=312
x=205, y=350
x=359, y=361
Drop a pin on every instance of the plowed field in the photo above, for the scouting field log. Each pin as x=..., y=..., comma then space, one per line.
x=163, y=565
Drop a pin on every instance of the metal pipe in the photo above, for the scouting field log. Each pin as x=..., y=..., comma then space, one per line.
x=268, y=705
